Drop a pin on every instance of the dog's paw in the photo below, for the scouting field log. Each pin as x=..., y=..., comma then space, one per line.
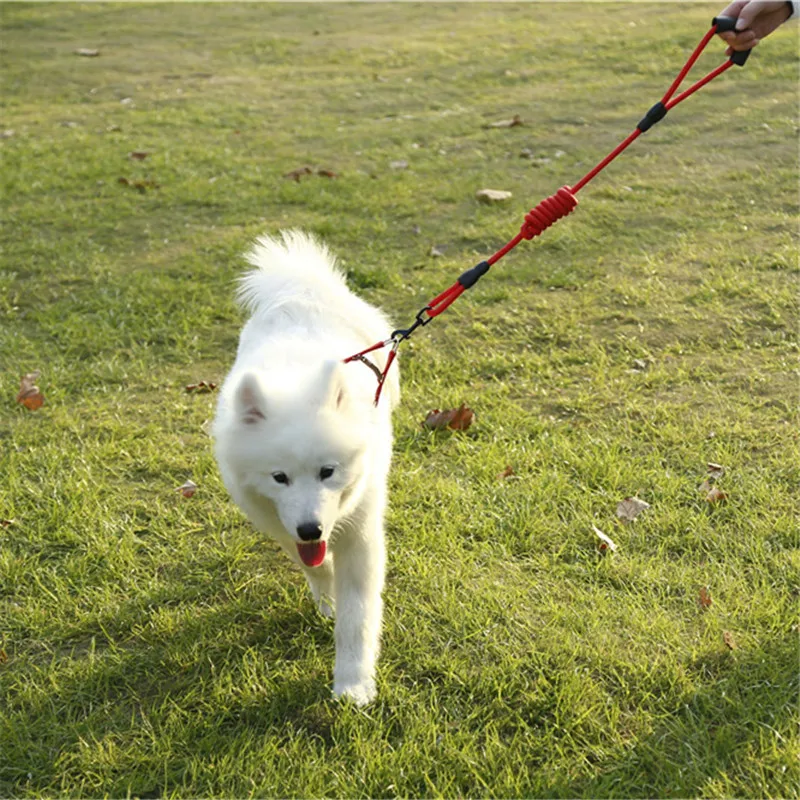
x=359, y=693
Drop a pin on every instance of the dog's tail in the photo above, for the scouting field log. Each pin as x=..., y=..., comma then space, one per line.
x=294, y=274
x=292, y=267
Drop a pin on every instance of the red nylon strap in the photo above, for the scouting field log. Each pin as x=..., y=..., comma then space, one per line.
x=382, y=379
x=557, y=206
x=700, y=84
x=689, y=64
x=377, y=346
x=443, y=300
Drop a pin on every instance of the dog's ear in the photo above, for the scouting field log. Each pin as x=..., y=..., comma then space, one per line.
x=333, y=391
x=249, y=400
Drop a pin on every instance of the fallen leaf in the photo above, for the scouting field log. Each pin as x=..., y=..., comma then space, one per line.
x=29, y=394
x=298, y=173
x=716, y=495
x=606, y=542
x=436, y=252
x=87, y=52
x=141, y=186
x=203, y=386
x=727, y=637
x=188, y=488
x=704, y=598
x=705, y=486
x=506, y=123
x=458, y=419
x=508, y=472
x=138, y=155
x=630, y=508
x=3, y=657
x=492, y=195
x=327, y=173
x=715, y=471
x=7, y=523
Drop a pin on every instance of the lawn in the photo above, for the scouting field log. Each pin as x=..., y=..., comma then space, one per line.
x=155, y=645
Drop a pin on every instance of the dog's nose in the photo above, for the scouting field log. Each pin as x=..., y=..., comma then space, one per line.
x=309, y=531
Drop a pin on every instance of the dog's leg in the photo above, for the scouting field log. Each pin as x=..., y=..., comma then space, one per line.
x=320, y=582
x=358, y=577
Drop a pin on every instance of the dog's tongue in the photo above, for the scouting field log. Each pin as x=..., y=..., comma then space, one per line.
x=312, y=553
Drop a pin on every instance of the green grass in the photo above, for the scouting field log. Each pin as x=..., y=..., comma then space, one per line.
x=158, y=646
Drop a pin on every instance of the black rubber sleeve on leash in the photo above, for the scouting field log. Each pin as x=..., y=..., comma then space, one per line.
x=474, y=274
x=655, y=114
x=724, y=25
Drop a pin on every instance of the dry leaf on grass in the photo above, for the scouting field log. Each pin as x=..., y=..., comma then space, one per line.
x=506, y=123
x=298, y=173
x=715, y=471
x=716, y=495
x=458, y=419
x=301, y=172
x=3, y=657
x=606, y=543
x=203, y=386
x=727, y=637
x=138, y=155
x=630, y=508
x=7, y=523
x=188, y=488
x=87, y=52
x=141, y=186
x=704, y=597
x=508, y=472
x=29, y=394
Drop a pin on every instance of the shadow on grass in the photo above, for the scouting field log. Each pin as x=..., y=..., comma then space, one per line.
x=143, y=717
x=745, y=716
x=127, y=719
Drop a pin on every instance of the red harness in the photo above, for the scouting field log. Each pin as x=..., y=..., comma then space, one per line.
x=556, y=206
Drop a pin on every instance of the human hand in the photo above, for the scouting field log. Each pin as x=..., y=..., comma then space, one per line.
x=755, y=19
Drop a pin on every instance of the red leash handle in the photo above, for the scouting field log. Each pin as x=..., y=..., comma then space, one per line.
x=563, y=202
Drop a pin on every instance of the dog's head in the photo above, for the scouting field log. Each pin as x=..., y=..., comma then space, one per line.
x=304, y=447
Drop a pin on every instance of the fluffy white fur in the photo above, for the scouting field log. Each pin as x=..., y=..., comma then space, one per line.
x=299, y=441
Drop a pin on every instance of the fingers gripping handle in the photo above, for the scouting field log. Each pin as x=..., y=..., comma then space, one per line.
x=725, y=24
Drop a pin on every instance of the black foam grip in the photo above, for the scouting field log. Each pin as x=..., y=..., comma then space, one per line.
x=655, y=114
x=740, y=56
x=473, y=275
x=725, y=24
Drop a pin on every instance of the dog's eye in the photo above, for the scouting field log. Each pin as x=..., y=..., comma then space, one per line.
x=325, y=472
x=280, y=477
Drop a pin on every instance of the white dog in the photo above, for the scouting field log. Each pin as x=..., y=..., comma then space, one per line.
x=300, y=444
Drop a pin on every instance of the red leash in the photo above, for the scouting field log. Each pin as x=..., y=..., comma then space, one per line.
x=556, y=206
